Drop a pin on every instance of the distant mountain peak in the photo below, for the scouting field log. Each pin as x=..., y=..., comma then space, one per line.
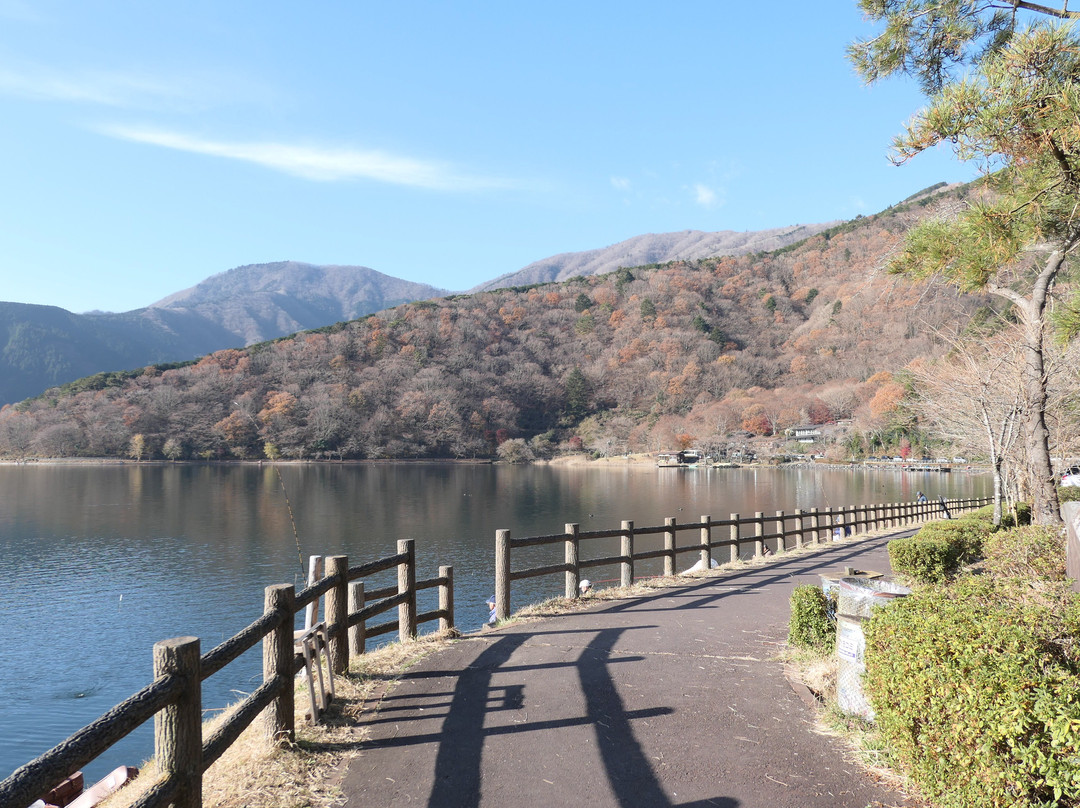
x=258, y=302
x=654, y=248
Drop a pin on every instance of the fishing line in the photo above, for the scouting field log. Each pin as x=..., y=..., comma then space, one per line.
x=288, y=506
x=285, y=493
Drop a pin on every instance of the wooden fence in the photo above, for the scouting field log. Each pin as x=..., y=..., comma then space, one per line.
x=174, y=699
x=800, y=527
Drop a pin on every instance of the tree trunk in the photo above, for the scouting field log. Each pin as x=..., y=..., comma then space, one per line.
x=1045, y=508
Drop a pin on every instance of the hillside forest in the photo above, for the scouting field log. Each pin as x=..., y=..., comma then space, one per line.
x=715, y=353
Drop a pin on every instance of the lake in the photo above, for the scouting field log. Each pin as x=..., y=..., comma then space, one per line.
x=102, y=561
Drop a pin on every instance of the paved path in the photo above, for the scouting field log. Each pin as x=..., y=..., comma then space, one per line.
x=673, y=699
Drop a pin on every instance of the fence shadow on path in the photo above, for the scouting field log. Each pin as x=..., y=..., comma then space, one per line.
x=453, y=717
x=628, y=769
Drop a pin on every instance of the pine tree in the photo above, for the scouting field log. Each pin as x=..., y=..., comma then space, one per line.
x=1007, y=97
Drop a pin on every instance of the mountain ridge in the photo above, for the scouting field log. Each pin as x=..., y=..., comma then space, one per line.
x=653, y=248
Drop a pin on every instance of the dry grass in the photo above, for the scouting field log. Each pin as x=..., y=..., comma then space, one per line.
x=815, y=670
x=256, y=774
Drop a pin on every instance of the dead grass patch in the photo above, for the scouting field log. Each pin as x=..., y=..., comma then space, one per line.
x=254, y=773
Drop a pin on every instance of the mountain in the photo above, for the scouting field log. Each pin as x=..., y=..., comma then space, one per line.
x=653, y=248
x=258, y=302
x=649, y=357
x=46, y=346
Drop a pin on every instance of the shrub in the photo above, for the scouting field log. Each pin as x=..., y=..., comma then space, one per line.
x=924, y=559
x=1031, y=553
x=1023, y=513
x=977, y=694
x=1021, y=516
x=985, y=514
x=966, y=534
x=939, y=549
x=1069, y=493
x=810, y=625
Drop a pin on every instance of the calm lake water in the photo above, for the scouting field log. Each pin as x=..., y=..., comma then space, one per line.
x=101, y=562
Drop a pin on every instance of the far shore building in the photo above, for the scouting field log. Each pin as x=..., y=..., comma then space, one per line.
x=804, y=434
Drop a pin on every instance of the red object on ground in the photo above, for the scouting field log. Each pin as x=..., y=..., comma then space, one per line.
x=67, y=791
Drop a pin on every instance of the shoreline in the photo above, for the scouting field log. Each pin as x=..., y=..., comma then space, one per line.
x=639, y=459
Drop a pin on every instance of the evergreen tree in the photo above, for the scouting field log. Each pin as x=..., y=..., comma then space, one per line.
x=578, y=392
x=1007, y=97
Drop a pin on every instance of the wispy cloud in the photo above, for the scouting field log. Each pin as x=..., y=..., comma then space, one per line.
x=323, y=164
x=705, y=196
x=106, y=89
x=128, y=89
x=620, y=184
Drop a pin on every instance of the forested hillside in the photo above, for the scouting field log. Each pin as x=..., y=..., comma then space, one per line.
x=635, y=359
x=43, y=346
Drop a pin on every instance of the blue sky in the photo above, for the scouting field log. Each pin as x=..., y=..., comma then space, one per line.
x=147, y=146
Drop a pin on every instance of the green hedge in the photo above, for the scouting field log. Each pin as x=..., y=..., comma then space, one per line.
x=1008, y=519
x=925, y=560
x=939, y=549
x=976, y=689
x=1068, y=493
x=810, y=626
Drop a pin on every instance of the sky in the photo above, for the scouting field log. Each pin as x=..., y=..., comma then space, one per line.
x=148, y=146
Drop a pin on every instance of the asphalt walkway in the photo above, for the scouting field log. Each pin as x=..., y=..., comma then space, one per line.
x=671, y=699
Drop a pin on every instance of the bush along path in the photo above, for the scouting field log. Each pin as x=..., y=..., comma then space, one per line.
x=674, y=698
x=975, y=677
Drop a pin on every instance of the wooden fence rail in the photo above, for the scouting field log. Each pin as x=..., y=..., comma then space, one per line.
x=174, y=698
x=801, y=527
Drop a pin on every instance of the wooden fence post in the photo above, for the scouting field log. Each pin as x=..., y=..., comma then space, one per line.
x=358, y=633
x=733, y=548
x=279, y=721
x=446, y=599
x=626, y=566
x=178, y=727
x=337, y=613
x=759, y=532
x=815, y=526
x=502, y=574
x=570, y=555
x=706, y=543
x=406, y=585
x=799, y=538
x=669, y=546
x=781, y=538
